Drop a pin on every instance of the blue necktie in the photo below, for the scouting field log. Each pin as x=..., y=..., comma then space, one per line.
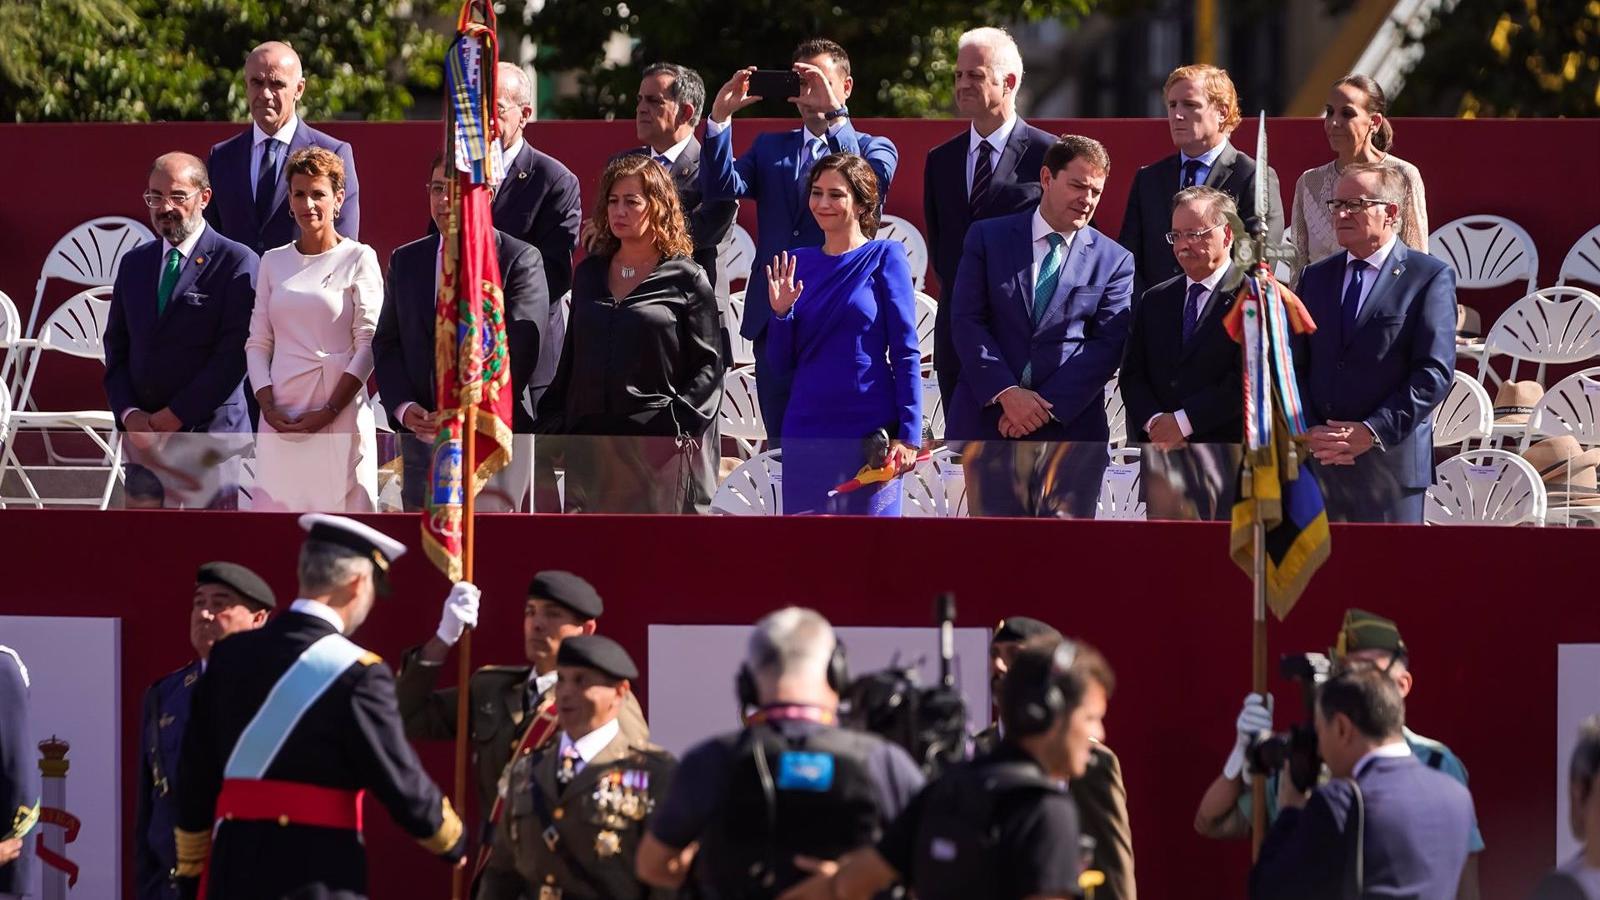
x=665, y=163
x=1352, y=299
x=1191, y=311
x=816, y=148
x=267, y=178
x=1045, y=288
x=1191, y=172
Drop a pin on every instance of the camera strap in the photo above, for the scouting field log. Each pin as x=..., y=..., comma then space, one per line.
x=1355, y=875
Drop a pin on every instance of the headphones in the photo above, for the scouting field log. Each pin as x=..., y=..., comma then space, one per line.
x=1044, y=701
x=838, y=678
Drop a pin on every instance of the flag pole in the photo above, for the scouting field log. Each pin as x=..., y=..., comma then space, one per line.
x=1258, y=574
x=458, y=878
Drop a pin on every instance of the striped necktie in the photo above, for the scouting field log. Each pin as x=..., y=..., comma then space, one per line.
x=982, y=173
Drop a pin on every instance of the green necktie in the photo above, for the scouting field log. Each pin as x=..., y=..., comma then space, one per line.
x=1049, y=277
x=169, y=279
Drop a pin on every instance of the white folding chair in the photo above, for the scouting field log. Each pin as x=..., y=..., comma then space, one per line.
x=1583, y=260
x=937, y=487
x=894, y=228
x=13, y=348
x=88, y=255
x=932, y=404
x=736, y=257
x=740, y=415
x=1550, y=325
x=1487, y=252
x=76, y=329
x=1485, y=487
x=1465, y=414
x=753, y=489
x=927, y=313
x=744, y=351
x=1116, y=411
x=1119, y=488
x=1571, y=406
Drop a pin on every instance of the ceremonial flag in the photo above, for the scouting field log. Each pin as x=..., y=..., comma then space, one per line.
x=1276, y=487
x=472, y=363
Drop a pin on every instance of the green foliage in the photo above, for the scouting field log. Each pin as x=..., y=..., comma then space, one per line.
x=1508, y=58
x=148, y=60
x=902, y=52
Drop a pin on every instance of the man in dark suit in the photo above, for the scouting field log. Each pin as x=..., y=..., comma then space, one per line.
x=251, y=204
x=1202, y=111
x=774, y=172
x=1040, y=317
x=290, y=725
x=1384, y=825
x=1381, y=358
x=404, y=354
x=228, y=599
x=991, y=169
x=180, y=313
x=1181, y=377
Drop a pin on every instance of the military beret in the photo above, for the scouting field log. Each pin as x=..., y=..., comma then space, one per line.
x=568, y=590
x=1022, y=628
x=248, y=585
x=591, y=651
x=1367, y=631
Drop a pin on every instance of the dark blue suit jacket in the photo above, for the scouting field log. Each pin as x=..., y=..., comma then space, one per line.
x=1391, y=372
x=191, y=358
x=162, y=721
x=539, y=203
x=1075, y=349
x=233, y=185
x=947, y=214
x=1161, y=373
x=403, y=345
x=768, y=173
x=1417, y=822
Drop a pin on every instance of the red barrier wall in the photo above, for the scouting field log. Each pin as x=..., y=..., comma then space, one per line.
x=1482, y=608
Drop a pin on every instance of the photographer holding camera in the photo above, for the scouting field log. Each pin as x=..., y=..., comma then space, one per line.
x=747, y=809
x=1384, y=825
x=1365, y=640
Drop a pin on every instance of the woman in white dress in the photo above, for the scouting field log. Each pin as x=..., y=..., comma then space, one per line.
x=310, y=354
x=1356, y=120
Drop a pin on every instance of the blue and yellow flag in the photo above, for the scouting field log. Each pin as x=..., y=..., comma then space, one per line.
x=1276, y=486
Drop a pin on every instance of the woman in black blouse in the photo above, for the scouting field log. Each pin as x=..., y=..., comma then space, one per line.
x=640, y=373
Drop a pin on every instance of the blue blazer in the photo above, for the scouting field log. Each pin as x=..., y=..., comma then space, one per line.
x=403, y=348
x=1392, y=371
x=539, y=203
x=768, y=173
x=191, y=357
x=1075, y=349
x=162, y=721
x=232, y=210
x=1417, y=822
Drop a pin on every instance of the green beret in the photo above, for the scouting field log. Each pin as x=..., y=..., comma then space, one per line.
x=1367, y=631
x=568, y=590
x=248, y=585
x=591, y=651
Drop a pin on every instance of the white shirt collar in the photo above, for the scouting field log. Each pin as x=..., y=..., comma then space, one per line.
x=285, y=134
x=1041, y=229
x=1210, y=281
x=997, y=138
x=672, y=153
x=318, y=610
x=509, y=154
x=187, y=247
x=1208, y=158
x=1376, y=260
x=590, y=745
x=542, y=683
x=1397, y=750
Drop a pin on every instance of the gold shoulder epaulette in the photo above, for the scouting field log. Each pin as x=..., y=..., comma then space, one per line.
x=370, y=659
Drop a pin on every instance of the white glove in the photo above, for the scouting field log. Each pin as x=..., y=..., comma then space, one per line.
x=460, y=612
x=1254, y=718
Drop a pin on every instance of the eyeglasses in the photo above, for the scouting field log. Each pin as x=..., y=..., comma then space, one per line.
x=1175, y=236
x=1354, y=205
x=156, y=200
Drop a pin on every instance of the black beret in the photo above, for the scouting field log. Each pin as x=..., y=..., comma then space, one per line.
x=248, y=585
x=568, y=590
x=591, y=651
x=1022, y=628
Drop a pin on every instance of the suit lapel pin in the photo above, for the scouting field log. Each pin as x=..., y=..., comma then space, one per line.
x=522, y=175
x=199, y=260
x=1395, y=271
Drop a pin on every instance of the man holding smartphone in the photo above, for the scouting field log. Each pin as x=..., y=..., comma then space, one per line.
x=775, y=172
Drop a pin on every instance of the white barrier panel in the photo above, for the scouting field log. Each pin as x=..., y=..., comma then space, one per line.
x=1577, y=698
x=691, y=672
x=75, y=674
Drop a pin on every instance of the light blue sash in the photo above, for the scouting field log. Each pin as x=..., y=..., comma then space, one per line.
x=310, y=676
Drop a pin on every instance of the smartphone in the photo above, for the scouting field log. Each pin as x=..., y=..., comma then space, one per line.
x=775, y=84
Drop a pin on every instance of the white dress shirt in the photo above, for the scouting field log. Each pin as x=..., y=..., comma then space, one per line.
x=996, y=140
x=259, y=144
x=672, y=153
x=1370, y=277
x=509, y=154
x=320, y=610
x=185, y=249
x=590, y=745
x=1397, y=750
x=1207, y=160
x=1210, y=281
x=1041, y=248
x=543, y=683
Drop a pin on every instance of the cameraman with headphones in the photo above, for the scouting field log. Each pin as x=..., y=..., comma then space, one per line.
x=748, y=809
x=1002, y=826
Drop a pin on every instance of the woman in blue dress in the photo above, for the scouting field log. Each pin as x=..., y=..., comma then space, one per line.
x=844, y=323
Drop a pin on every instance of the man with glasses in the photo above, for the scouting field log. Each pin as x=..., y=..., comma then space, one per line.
x=180, y=312
x=252, y=201
x=404, y=353
x=1381, y=358
x=1181, y=375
